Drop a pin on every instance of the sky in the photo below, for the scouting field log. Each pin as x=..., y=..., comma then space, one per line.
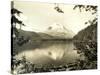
x=39, y=16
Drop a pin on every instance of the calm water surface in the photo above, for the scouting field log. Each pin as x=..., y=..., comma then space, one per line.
x=51, y=52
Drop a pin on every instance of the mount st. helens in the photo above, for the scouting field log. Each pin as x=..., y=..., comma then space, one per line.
x=58, y=31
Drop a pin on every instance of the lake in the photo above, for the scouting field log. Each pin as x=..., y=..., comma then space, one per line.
x=51, y=52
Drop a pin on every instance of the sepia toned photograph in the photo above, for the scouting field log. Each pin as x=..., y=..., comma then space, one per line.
x=52, y=37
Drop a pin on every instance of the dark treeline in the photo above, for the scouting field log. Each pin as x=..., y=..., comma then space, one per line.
x=87, y=34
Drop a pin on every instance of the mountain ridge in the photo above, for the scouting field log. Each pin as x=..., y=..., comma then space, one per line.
x=87, y=34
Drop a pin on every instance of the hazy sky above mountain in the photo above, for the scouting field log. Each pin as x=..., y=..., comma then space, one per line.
x=39, y=16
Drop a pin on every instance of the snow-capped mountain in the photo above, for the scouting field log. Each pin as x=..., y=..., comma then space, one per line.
x=59, y=31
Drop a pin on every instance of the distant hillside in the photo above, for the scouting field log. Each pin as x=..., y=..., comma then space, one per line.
x=29, y=34
x=87, y=34
x=45, y=36
x=25, y=40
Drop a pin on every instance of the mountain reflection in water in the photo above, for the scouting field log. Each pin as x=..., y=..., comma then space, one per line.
x=52, y=52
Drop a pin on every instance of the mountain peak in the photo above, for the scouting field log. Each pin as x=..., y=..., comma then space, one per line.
x=55, y=26
x=59, y=30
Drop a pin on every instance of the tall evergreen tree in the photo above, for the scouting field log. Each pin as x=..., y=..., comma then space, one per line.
x=15, y=21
